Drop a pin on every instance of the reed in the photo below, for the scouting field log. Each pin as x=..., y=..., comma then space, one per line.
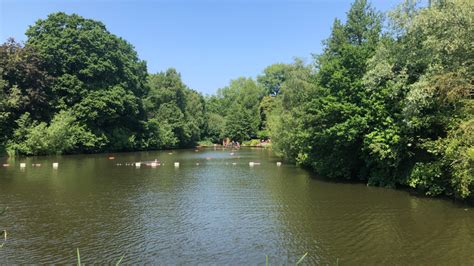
x=3, y=233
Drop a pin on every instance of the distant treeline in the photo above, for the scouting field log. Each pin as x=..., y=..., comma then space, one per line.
x=389, y=101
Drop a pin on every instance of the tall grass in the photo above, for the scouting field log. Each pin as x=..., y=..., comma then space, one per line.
x=3, y=232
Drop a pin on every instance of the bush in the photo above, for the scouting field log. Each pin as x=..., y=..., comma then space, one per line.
x=63, y=135
x=252, y=143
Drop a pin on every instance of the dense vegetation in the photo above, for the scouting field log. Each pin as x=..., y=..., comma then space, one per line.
x=392, y=108
x=389, y=101
x=75, y=87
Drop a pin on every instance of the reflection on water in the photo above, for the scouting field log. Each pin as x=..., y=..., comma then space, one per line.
x=217, y=213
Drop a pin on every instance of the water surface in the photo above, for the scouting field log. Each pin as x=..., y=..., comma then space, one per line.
x=221, y=211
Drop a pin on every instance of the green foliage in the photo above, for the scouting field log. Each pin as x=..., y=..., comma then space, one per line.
x=206, y=142
x=275, y=75
x=215, y=127
x=235, y=111
x=95, y=73
x=428, y=177
x=251, y=143
x=240, y=123
x=175, y=112
x=24, y=87
x=392, y=109
x=63, y=135
x=84, y=48
x=75, y=87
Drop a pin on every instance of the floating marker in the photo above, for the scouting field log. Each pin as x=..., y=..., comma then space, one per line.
x=251, y=163
x=55, y=165
x=176, y=164
x=5, y=165
x=197, y=163
x=234, y=163
x=137, y=165
x=111, y=158
x=22, y=165
x=154, y=164
x=278, y=163
x=170, y=153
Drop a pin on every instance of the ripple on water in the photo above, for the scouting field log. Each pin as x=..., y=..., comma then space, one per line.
x=218, y=213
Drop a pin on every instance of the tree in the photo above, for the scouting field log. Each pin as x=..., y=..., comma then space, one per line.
x=24, y=87
x=239, y=105
x=96, y=74
x=63, y=135
x=336, y=119
x=274, y=76
x=170, y=102
x=84, y=48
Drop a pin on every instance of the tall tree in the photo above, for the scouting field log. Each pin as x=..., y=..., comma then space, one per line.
x=337, y=119
x=172, y=104
x=95, y=72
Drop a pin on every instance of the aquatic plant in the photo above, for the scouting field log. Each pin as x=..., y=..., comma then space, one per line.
x=3, y=233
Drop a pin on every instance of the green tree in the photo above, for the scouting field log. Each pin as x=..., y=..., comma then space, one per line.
x=275, y=75
x=96, y=74
x=170, y=102
x=24, y=87
x=337, y=118
x=63, y=135
x=239, y=104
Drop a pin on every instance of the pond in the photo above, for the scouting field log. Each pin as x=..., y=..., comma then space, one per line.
x=217, y=209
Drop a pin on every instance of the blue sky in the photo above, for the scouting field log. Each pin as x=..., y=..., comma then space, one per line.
x=208, y=41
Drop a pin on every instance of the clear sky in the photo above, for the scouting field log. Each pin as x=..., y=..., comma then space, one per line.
x=208, y=41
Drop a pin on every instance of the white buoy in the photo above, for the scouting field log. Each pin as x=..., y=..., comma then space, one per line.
x=278, y=163
x=197, y=164
x=55, y=165
x=251, y=163
x=154, y=164
x=137, y=165
x=234, y=163
x=176, y=164
x=22, y=165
